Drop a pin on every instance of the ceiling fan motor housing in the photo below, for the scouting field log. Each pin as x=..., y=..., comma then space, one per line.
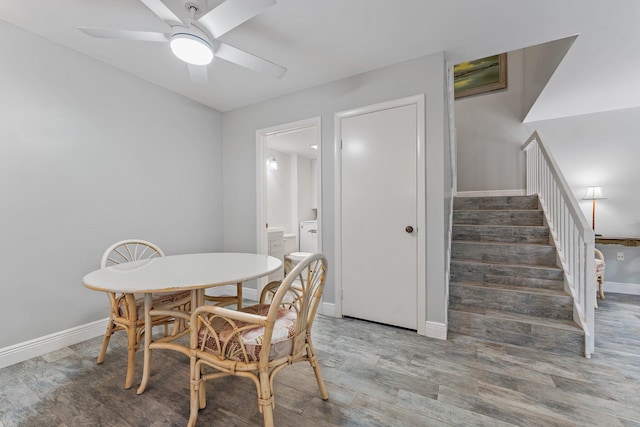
x=191, y=45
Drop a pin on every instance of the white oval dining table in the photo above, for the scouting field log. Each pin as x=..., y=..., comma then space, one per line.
x=195, y=272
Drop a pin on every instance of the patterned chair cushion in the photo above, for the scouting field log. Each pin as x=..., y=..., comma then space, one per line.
x=599, y=266
x=157, y=299
x=251, y=339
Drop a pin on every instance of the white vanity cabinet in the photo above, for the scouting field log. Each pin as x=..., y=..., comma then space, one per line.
x=276, y=250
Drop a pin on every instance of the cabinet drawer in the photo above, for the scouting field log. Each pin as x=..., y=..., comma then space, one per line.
x=277, y=245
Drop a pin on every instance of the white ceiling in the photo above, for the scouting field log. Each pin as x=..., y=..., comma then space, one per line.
x=324, y=40
x=295, y=141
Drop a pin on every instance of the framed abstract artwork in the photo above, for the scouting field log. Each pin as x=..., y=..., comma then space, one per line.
x=480, y=76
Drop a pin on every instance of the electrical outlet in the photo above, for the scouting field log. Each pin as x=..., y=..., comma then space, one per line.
x=620, y=256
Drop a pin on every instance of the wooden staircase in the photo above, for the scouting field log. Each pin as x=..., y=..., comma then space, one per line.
x=505, y=284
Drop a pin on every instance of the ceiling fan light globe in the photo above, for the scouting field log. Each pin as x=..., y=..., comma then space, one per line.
x=191, y=49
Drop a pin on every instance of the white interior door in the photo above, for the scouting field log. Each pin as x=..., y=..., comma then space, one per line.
x=379, y=216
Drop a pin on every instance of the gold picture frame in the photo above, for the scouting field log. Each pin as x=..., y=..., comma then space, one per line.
x=480, y=76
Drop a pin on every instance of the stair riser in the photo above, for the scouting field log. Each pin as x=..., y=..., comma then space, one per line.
x=549, y=306
x=499, y=217
x=551, y=278
x=504, y=253
x=502, y=234
x=496, y=203
x=517, y=333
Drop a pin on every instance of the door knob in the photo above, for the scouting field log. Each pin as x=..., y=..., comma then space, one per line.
x=409, y=229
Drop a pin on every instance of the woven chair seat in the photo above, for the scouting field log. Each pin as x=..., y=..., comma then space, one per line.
x=158, y=299
x=233, y=340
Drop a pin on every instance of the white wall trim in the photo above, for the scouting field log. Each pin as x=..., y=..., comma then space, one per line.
x=262, y=245
x=489, y=193
x=328, y=309
x=38, y=346
x=436, y=330
x=621, y=288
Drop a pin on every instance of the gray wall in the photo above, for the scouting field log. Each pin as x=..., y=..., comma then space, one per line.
x=422, y=75
x=90, y=155
x=489, y=136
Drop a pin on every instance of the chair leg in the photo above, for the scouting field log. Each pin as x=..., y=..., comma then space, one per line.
x=601, y=285
x=239, y=295
x=196, y=384
x=202, y=395
x=313, y=360
x=267, y=413
x=132, y=347
x=105, y=341
x=265, y=400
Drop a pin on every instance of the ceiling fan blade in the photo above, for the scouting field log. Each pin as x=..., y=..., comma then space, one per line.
x=198, y=73
x=232, y=13
x=163, y=12
x=145, y=36
x=247, y=60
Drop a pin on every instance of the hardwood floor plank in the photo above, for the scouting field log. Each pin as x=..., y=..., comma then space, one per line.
x=581, y=414
x=578, y=400
x=444, y=412
x=507, y=410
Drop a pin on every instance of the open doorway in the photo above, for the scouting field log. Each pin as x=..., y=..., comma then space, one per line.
x=288, y=190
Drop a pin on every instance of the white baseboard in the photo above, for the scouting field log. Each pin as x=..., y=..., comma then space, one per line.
x=622, y=288
x=38, y=346
x=247, y=293
x=328, y=309
x=436, y=330
x=489, y=193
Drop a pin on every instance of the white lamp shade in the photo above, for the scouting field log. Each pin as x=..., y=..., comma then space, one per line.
x=191, y=48
x=594, y=193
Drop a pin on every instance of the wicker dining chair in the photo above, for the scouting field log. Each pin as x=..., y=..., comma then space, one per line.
x=258, y=341
x=127, y=310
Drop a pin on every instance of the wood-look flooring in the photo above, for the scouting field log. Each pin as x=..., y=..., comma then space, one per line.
x=376, y=376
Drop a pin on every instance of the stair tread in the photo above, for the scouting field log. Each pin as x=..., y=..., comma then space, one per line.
x=461, y=224
x=497, y=210
x=568, y=325
x=502, y=264
x=515, y=288
x=483, y=242
x=504, y=203
x=511, y=264
x=486, y=342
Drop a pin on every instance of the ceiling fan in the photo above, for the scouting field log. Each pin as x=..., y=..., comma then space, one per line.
x=196, y=41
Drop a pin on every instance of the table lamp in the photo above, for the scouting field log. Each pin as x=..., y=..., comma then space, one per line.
x=593, y=194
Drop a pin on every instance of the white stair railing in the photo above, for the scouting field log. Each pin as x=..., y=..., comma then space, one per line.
x=573, y=237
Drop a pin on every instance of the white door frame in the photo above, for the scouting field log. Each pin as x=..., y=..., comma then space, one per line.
x=262, y=243
x=419, y=102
